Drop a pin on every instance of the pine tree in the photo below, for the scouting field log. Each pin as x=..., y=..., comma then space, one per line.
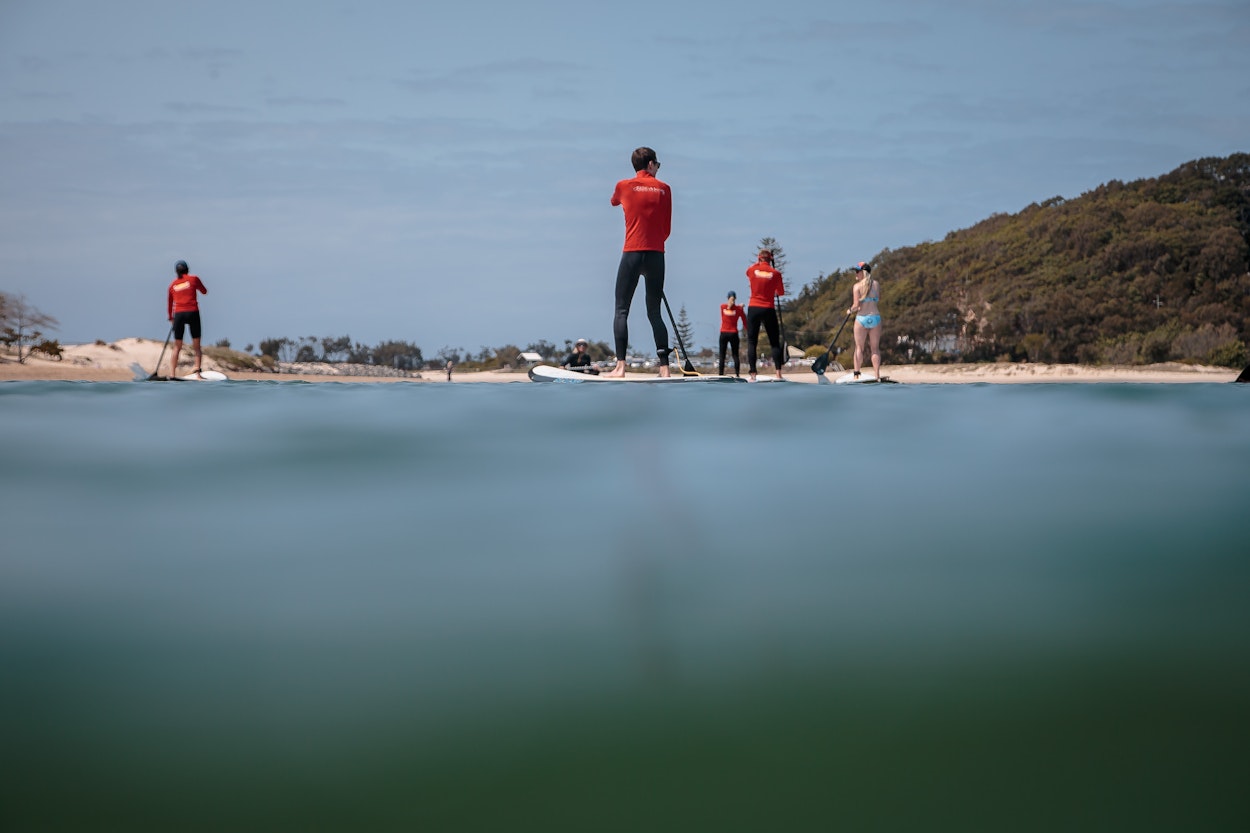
x=779, y=254
x=685, y=329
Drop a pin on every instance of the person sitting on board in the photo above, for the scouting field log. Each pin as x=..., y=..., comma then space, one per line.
x=864, y=297
x=731, y=315
x=184, y=312
x=766, y=287
x=648, y=206
x=579, y=359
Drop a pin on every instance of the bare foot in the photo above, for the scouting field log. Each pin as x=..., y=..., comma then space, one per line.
x=664, y=374
x=617, y=372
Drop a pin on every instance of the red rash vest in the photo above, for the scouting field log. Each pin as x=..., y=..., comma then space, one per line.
x=182, y=294
x=730, y=316
x=765, y=283
x=648, y=205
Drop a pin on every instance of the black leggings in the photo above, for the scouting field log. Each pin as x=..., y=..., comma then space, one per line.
x=729, y=340
x=633, y=265
x=768, y=317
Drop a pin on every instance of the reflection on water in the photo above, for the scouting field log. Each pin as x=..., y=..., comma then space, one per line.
x=356, y=607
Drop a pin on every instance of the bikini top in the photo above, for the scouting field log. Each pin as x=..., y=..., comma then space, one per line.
x=873, y=298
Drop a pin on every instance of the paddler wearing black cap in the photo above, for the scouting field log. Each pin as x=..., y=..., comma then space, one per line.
x=184, y=314
x=731, y=315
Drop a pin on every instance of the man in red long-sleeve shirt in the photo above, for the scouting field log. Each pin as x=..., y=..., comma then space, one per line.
x=648, y=206
x=184, y=311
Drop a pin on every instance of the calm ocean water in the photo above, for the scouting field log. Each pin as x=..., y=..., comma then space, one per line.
x=286, y=606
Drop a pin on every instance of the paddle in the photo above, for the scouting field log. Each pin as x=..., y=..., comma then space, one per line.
x=156, y=373
x=819, y=366
x=688, y=368
x=782, y=329
x=1245, y=375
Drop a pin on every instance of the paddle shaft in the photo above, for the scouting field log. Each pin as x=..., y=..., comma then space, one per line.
x=688, y=367
x=781, y=328
x=157, y=372
x=819, y=366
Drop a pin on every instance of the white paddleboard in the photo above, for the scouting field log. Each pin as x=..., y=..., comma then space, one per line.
x=864, y=379
x=547, y=373
x=204, y=376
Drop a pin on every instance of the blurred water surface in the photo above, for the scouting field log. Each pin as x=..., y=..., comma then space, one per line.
x=264, y=606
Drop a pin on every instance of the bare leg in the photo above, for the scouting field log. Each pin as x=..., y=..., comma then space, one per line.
x=173, y=359
x=199, y=354
x=861, y=335
x=875, y=338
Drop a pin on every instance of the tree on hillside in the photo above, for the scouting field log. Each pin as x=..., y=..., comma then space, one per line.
x=398, y=354
x=20, y=325
x=336, y=349
x=685, y=329
x=279, y=349
x=306, y=351
x=779, y=254
x=446, y=354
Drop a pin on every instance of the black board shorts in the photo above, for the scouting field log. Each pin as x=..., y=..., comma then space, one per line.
x=183, y=320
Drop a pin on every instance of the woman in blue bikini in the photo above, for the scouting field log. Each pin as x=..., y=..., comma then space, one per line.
x=864, y=297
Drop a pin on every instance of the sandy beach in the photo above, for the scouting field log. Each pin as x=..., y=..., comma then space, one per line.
x=112, y=362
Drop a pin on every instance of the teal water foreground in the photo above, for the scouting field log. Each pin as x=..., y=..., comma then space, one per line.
x=285, y=606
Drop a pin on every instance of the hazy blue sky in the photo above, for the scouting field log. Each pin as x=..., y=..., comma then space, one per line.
x=440, y=172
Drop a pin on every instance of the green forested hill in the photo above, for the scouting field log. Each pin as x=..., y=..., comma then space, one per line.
x=1139, y=272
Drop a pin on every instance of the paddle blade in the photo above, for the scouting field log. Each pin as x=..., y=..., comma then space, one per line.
x=821, y=364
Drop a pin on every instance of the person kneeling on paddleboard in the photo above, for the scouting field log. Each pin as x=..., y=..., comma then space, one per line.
x=579, y=359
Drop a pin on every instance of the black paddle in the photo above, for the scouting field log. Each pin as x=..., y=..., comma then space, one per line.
x=819, y=366
x=688, y=368
x=781, y=328
x=1245, y=375
x=156, y=373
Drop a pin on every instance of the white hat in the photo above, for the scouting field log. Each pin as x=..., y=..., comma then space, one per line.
x=582, y=341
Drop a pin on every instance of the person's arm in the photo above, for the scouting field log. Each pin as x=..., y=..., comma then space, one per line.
x=668, y=214
x=169, y=302
x=854, y=302
x=779, y=285
x=203, y=290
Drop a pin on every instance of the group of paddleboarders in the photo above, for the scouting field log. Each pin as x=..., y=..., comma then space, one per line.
x=648, y=206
